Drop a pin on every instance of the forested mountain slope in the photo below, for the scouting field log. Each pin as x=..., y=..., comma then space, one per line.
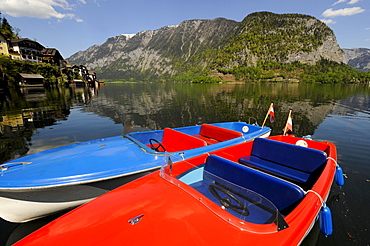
x=220, y=49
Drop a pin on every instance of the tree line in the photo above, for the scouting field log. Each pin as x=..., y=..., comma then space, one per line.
x=10, y=70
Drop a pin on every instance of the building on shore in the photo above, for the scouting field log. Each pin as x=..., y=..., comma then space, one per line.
x=27, y=49
x=52, y=56
x=31, y=79
x=3, y=45
x=80, y=75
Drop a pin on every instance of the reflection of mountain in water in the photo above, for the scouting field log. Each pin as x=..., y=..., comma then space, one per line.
x=351, y=105
x=142, y=108
x=305, y=115
x=155, y=106
x=158, y=106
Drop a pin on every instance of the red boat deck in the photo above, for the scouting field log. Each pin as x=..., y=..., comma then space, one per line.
x=174, y=141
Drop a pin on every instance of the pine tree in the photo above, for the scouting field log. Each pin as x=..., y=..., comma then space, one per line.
x=6, y=29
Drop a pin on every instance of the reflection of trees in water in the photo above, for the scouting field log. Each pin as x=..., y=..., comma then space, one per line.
x=156, y=106
x=27, y=109
x=15, y=145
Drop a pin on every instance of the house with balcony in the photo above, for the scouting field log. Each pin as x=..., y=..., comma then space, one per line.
x=27, y=49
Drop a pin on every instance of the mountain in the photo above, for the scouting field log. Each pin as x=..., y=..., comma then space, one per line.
x=204, y=47
x=155, y=52
x=358, y=58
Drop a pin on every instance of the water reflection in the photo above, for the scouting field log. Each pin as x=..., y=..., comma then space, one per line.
x=337, y=113
x=169, y=105
x=33, y=93
x=27, y=109
x=155, y=106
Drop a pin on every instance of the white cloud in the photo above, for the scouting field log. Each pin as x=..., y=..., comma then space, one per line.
x=343, y=1
x=328, y=21
x=43, y=9
x=339, y=1
x=342, y=12
x=353, y=1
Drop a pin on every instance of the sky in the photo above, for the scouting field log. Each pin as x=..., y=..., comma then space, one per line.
x=74, y=25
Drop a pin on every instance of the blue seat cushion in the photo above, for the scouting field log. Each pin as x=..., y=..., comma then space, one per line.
x=276, y=169
x=294, y=163
x=293, y=156
x=280, y=192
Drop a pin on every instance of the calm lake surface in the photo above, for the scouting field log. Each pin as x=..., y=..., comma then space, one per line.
x=37, y=119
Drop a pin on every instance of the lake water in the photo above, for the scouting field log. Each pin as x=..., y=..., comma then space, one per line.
x=37, y=119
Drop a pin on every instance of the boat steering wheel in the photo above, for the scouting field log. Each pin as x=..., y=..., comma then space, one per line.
x=156, y=148
x=226, y=201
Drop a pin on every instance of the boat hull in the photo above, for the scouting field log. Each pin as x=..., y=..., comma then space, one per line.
x=25, y=205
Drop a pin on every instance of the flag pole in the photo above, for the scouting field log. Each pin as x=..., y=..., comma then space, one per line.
x=286, y=124
x=267, y=115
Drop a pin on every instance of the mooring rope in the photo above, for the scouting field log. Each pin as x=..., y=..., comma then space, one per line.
x=318, y=195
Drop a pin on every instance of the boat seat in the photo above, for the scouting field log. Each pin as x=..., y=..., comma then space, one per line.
x=214, y=134
x=281, y=193
x=175, y=141
x=294, y=163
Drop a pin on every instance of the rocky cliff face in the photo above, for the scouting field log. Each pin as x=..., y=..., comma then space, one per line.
x=154, y=52
x=283, y=38
x=358, y=58
x=199, y=45
x=329, y=49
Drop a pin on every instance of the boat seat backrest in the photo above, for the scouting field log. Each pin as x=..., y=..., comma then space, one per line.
x=289, y=161
x=218, y=133
x=175, y=141
x=281, y=193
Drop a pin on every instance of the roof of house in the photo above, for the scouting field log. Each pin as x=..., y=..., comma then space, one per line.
x=31, y=76
x=51, y=51
x=16, y=41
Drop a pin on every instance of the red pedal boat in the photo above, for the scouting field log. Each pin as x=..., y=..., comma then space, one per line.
x=264, y=192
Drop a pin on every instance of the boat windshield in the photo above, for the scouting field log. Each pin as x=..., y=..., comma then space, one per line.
x=235, y=204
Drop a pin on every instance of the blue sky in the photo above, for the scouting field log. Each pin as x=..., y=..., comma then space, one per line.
x=74, y=25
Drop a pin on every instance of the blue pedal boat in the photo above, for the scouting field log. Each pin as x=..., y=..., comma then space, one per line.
x=59, y=179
